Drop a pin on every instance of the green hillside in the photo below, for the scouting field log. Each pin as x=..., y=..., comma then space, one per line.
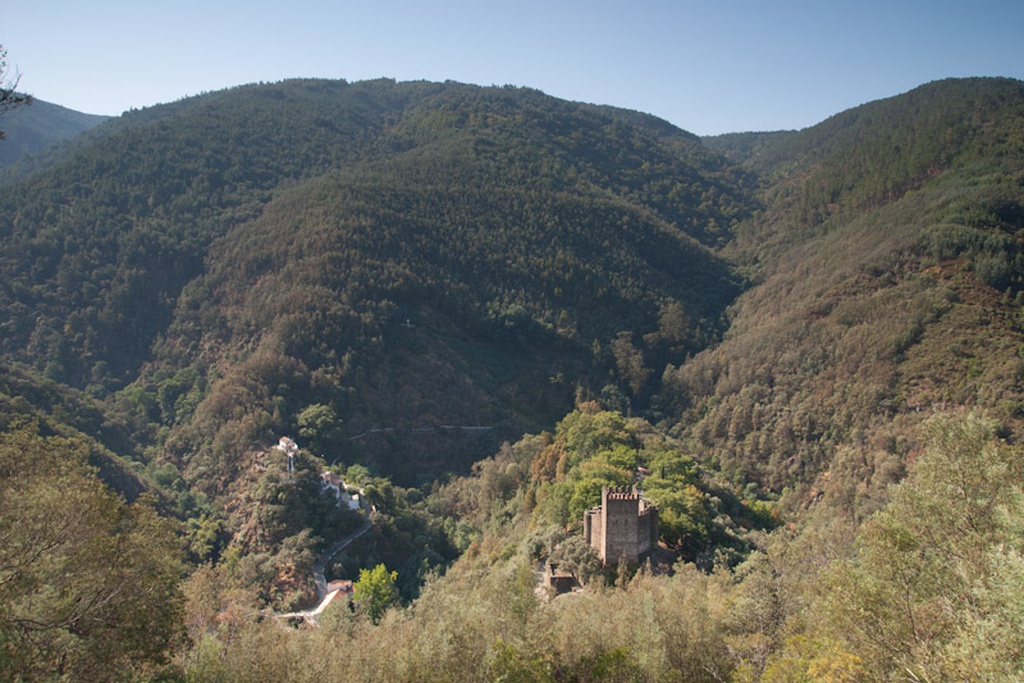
x=888, y=259
x=31, y=129
x=406, y=249
x=478, y=307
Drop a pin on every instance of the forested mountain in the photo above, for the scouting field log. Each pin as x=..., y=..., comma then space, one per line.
x=888, y=263
x=469, y=236
x=31, y=129
x=481, y=305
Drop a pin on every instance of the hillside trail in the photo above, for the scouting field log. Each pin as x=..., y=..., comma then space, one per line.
x=319, y=574
x=320, y=566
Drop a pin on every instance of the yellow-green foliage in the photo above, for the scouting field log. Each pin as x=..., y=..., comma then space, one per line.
x=375, y=591
x=477, y=625
x=924, y=593
x=554, y=479
x=88, y=583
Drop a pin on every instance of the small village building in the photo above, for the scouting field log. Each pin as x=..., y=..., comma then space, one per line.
x=559, y=580
x=287, y=445
x=342, y=585
x=331, y=483
x=336, y=591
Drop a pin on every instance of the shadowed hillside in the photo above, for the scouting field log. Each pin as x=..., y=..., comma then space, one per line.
x=29, y=130
x=411, y=255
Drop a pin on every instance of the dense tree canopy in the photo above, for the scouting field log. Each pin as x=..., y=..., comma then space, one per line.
x=89, y=584
x=473, y=308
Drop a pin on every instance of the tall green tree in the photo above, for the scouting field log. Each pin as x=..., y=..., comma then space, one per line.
x=320, y=426
x=630, y=363
x=375, y=591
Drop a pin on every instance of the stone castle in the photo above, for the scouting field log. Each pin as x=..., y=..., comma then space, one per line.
x=623, y=527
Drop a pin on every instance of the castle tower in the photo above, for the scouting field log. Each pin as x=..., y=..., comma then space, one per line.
x=624, y=527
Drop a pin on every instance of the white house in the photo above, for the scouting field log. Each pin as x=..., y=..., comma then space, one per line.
x=332, y=483
x=287, y=445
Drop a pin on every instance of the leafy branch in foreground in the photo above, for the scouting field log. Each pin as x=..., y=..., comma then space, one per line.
x=88, y=583
x=9, y=96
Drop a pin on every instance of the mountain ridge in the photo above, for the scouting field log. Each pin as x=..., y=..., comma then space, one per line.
x=159, y=188
x=32, y=128
x=860, y=324
x=428, y=141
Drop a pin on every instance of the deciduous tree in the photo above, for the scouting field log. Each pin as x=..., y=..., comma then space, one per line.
x=88, y=583
x=375, y=591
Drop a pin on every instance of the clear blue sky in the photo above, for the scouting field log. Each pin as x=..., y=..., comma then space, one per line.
x=709, y=67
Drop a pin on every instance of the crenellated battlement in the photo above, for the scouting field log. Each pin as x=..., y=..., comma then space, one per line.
x=623, y=493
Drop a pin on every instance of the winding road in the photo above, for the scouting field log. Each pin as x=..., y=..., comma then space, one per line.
x=319, y=569
x=320, y=566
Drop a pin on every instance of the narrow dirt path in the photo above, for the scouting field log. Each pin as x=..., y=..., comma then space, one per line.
x=320, y=566
x=319, y=571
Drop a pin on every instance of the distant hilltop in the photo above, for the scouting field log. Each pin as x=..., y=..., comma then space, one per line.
x=30, y=129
